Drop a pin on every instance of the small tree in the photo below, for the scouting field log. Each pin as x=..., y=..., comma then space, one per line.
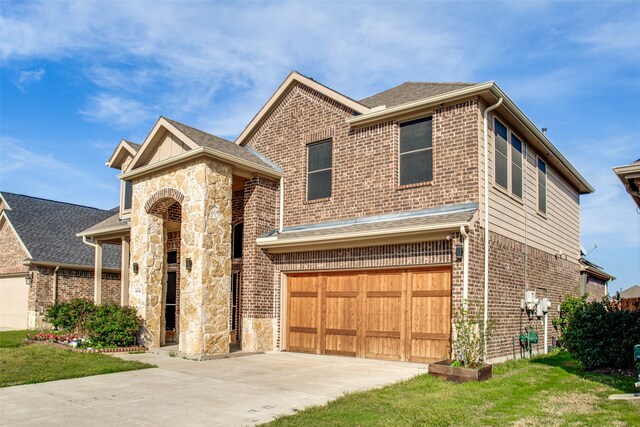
x=470, y=336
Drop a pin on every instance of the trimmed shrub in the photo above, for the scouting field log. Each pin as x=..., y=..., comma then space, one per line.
x=600, y=334
x=112, y=325
x=105, y=325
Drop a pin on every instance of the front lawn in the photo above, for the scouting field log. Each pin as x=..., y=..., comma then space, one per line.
x=549, y=390
x=26, y=364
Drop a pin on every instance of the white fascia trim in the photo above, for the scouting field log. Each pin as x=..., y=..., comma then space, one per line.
x=7, y=207
x=31, y=262
x=122, y=145
x=102, y=231
x=420, y=104
x=274, y=242
x=3, y=217
x=464, y=93
x=188, y=155
x=282, y=89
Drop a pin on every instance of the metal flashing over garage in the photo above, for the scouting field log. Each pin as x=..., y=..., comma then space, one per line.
x=403, y=227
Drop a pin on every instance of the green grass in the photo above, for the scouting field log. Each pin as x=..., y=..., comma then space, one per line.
x=550, y=390
x=27, y=364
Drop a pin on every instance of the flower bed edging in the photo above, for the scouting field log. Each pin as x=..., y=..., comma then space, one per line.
x=86, y=350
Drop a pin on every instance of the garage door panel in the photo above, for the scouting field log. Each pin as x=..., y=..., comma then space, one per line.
x=14, y=295
x=389, y=314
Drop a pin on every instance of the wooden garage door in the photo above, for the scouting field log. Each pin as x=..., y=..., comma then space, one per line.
x=387, y=314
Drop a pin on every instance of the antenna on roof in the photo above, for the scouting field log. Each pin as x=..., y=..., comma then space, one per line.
x=544, y=131
x=592, y=249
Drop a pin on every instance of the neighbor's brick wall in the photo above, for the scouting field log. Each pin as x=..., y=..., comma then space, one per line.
x=595, y=288
x=72, y=284
x=11, y=252
x=365, y=160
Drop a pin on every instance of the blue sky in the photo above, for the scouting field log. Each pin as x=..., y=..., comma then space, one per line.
x=78, y=77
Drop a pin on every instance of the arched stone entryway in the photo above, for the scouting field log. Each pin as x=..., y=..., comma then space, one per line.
x=203, y=189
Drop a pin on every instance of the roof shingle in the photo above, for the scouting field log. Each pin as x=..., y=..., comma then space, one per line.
x=411, y=91
x=48, y=230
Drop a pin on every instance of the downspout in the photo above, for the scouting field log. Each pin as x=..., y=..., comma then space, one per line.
x=55, y=283
x=486, y=220
x=281, y=226
x=465, y=266
x=87, y=242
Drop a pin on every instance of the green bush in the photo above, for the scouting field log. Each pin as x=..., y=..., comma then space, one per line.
x=71, y=316
x=112, y=325
x=105, y=325
x=600, y=334
x=567, y=308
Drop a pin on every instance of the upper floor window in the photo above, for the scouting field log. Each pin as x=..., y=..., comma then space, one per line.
x=542, y=186
x=172, y=257
x=127, y=195
x=416, y=151
x=319, y=166
x=508, y=160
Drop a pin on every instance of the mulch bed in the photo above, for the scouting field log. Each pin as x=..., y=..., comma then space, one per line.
x=86, y=350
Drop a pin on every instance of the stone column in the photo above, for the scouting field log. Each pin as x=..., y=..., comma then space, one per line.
x=124, y=273
x=206, y=240
x=97, y=282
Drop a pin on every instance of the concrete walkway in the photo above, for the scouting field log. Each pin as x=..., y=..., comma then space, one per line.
x=226, y=392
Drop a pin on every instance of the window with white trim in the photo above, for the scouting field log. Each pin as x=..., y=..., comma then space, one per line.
x=319, y=168
x=416, y=151
x=507, y=160
x=542, y=186
x=127, y=193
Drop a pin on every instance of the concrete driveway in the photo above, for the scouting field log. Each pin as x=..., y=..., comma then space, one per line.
x=237, y=391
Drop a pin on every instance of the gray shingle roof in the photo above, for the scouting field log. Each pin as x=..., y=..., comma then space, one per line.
x=411, y=91
x=225, y=146
x=632, y=292
x=112, y=222
x=48, y=230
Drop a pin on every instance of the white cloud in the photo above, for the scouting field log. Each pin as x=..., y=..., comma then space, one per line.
x=116, y=110
x=27, y=77
x=44, y=175
x=619, y=37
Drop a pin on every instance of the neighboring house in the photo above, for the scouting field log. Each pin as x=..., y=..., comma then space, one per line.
x=630, y=298
x=336, y=226
x=594, y=281
x=43, y=261
x=630, y=177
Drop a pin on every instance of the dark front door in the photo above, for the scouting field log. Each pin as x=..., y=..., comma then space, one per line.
x=170, y=309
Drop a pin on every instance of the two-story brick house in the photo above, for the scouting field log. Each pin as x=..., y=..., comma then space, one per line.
x=346, y=227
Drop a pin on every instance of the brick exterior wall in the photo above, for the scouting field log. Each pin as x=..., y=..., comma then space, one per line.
x=11, y=251
x=257, y=296
x=365, y=160
x=72, y=283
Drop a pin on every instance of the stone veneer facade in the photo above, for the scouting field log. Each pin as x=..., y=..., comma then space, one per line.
x=203, y=188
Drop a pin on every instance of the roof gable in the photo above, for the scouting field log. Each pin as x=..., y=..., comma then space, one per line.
x=125, y=150
x=48, y=230
x=292, y=79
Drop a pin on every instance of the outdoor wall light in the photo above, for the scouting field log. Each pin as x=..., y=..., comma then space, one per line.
x=28, y=280
x=188, y=264
x=459, y=252
x=135, y=268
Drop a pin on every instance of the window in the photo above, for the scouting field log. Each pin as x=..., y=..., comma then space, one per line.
x=516, y=166
x=172, y=257
x=319, y=162
x=416, y=151
x=128, y=192
x=237, y=240
x=508, y=160
x=542, y=186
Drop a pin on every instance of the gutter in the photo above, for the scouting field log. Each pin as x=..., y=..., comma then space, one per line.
x=486, y=221
x=275, y=242
x=35, y=263
x=102, y=231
